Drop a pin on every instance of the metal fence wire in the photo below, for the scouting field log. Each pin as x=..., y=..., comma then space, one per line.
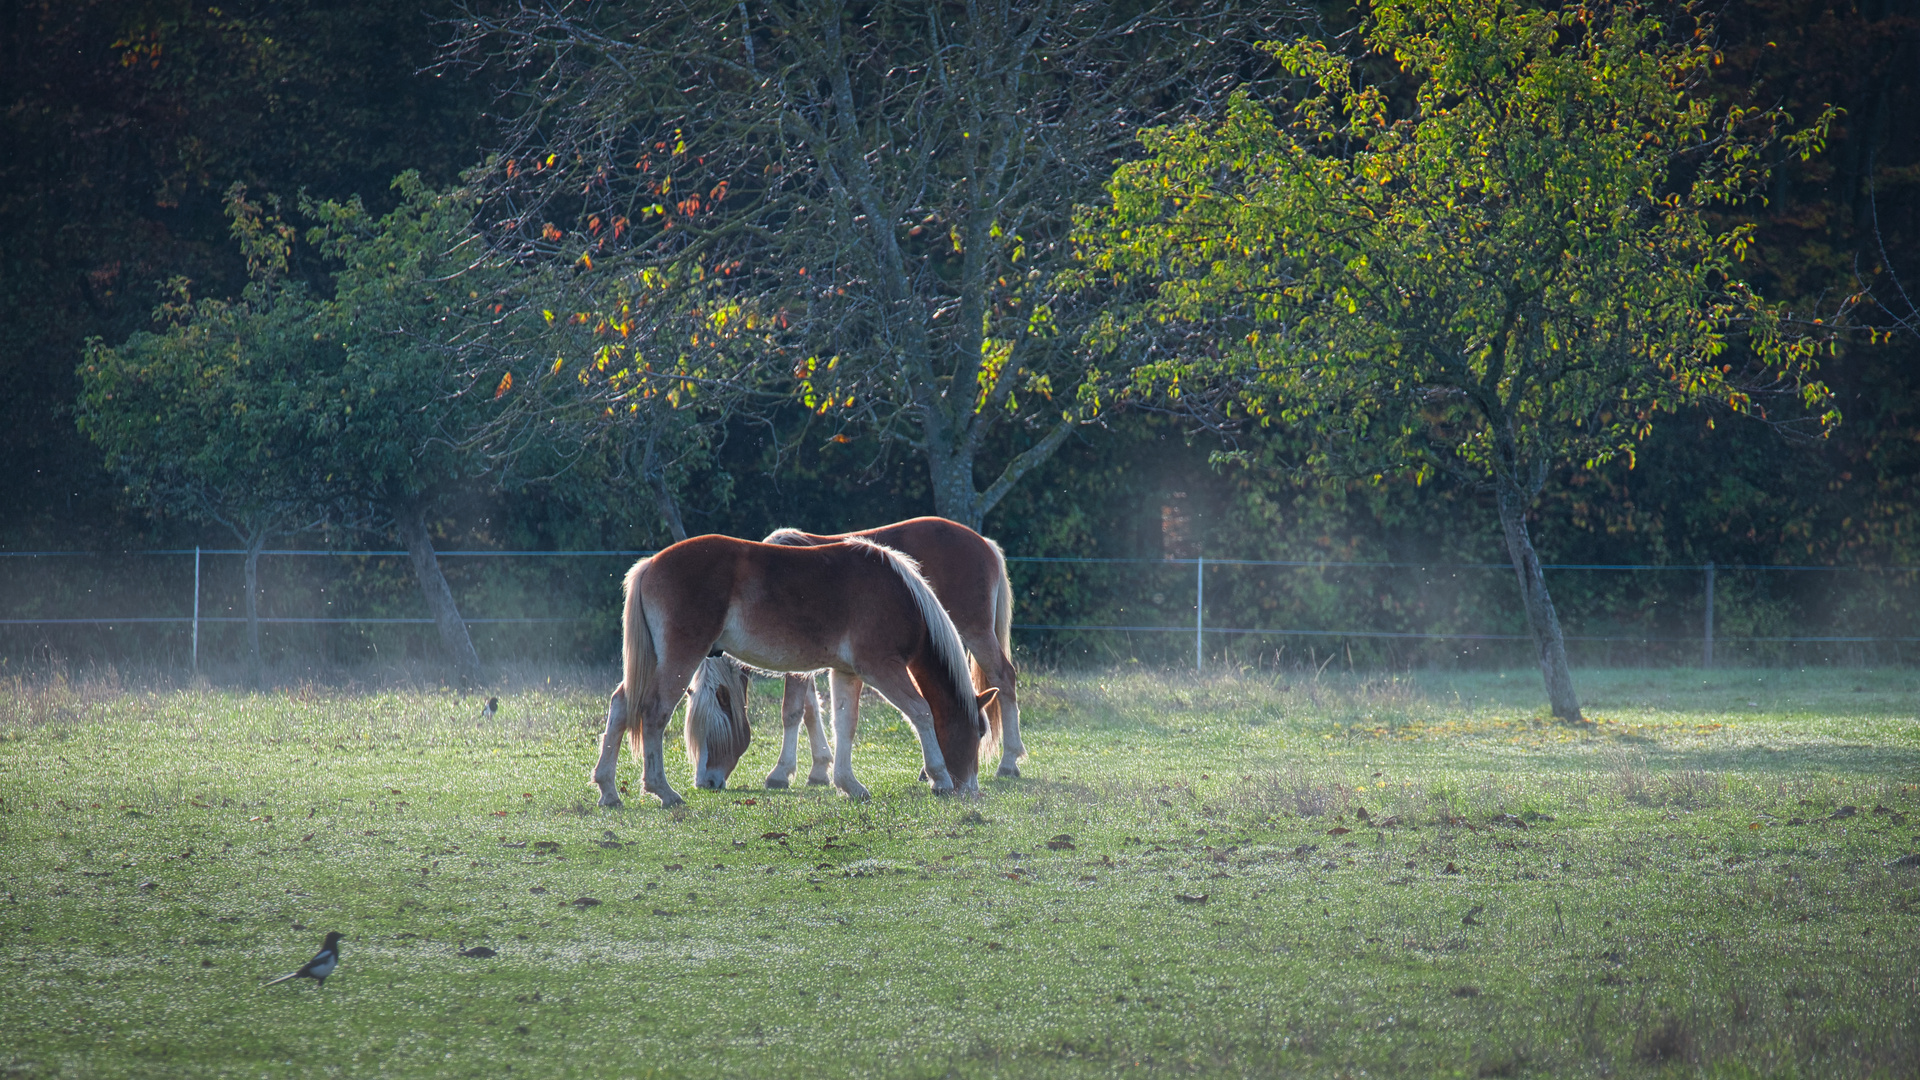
x=183, y=608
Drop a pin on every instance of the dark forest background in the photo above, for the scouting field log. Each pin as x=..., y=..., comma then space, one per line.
x=123, y=122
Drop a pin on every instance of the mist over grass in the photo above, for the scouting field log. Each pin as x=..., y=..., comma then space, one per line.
x=1252, y=873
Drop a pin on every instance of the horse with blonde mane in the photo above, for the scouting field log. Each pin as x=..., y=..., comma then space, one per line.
x=856, y=608
x=967, y=571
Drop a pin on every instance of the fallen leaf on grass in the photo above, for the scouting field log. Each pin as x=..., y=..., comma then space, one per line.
x=585, y=902
x=1338, y=830
x=480, y=952
x=1905, y=861
x=1063, y=842
x=1469, y=919
x=1465, y=991
x=662, y=911
x=1451, y=869
x=538, y=890
x=1185, y=899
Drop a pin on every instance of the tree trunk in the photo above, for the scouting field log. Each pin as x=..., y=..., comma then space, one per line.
x=256, y=539
x=951, y=470
x=954, y=497
x=433, y=585
x=1549, y=646
x=670, y=510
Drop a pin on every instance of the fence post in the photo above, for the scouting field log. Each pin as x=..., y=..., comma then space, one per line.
x=1199, y=611
x=196, y=609
x=1706, y=644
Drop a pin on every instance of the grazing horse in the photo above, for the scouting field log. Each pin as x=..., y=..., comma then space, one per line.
x=968, y=573
x=856, y=608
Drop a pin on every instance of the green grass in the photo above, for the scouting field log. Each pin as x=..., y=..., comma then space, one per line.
x=1668, y=894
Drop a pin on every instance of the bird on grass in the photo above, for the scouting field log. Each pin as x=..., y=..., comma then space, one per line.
x=320, y=966
x=493, y=706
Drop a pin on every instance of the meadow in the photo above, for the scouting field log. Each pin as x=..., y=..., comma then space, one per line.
x=1263, y=873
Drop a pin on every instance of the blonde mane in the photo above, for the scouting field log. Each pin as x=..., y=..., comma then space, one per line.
x=946, y=640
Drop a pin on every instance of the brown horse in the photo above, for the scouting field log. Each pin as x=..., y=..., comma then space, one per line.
x=858, y=609
x=968, y=573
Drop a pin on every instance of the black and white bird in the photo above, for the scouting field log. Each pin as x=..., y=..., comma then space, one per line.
x=320, y=966
x=493, y=706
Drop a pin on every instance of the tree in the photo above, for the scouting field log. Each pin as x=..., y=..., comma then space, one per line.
x=285, y=406
x=883, y=189
x=196, y=419
x=1514, y=269
x=386, y=414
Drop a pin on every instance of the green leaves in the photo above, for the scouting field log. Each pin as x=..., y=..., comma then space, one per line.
x=1471, y=280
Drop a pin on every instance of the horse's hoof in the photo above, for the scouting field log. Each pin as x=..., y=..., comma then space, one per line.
x=1008, y=768
x=817, y=781
x=777, y=782
x=856, y=791
x=611, y=800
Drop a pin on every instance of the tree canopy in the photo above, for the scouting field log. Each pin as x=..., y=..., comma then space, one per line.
x=880, y=191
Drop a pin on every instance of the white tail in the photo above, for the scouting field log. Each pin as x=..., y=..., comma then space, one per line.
x=638, y=661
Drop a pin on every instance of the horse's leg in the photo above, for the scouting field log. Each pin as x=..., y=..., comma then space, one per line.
x=648, y=741
x=1007, y=709
x=898, y=688
x=845, y=692
x=603, y=771
x=791, y=711
x=816, y=733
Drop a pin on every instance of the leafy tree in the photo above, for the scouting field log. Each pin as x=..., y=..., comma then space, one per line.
x=881, y=192
x=284, y=406
x=197, y=419
x=1516, y=269
x=387, y=416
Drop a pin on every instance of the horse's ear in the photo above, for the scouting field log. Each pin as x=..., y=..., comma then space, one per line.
x=986, y=697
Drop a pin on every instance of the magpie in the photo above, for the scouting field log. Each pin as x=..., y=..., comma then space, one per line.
x=493, y=706
x=320, y=966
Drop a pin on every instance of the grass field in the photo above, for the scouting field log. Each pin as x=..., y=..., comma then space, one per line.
x=1265, y=874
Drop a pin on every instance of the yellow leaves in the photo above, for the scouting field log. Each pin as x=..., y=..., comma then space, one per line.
x=558, y=363
x=549, y=316
x=506, y=384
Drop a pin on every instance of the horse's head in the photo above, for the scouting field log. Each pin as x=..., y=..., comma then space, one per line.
x=959, y=728
x=717, y=730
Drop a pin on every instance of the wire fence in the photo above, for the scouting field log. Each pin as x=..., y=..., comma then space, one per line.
x=323, y=607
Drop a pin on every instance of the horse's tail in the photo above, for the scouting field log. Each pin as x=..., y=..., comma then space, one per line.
x=638, y=661
x=1002, y=629
x=947, y=648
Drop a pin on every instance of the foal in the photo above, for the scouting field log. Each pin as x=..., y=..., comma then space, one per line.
x=968, y=573
x=854, y=607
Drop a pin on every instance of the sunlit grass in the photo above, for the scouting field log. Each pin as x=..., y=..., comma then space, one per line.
x=1257, y=873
